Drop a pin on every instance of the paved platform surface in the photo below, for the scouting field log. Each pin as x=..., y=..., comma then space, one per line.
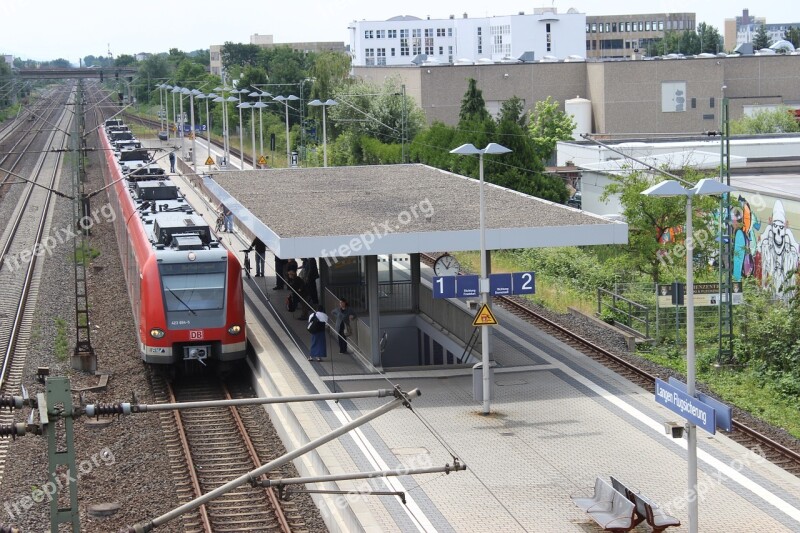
x=559, y=420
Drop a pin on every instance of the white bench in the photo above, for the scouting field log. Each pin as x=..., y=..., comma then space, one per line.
x=612, y=510
x=646, y=509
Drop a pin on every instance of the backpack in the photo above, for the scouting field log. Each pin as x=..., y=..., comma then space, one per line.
x=315, y=325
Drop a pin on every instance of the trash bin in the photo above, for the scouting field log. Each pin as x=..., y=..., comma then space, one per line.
x=477, y=381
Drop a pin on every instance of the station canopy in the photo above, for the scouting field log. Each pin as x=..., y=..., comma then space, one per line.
x=393, y=209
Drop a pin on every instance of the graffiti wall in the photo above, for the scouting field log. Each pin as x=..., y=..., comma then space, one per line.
x=764, y=232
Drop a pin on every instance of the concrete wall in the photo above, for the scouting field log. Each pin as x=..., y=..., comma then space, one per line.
x=626, y=95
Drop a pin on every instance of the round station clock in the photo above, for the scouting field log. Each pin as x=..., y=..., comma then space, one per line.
x=446, y=265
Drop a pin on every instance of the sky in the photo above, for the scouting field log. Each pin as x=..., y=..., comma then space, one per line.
x=51, y=29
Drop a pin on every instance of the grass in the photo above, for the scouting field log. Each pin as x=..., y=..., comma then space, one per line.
x=86, y=253
x=61, y=345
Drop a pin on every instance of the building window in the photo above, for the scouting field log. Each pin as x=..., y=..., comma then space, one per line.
x=711, y=103
x=380, y=34
x=404, y=34
x=449, y=32
x=441, y=50
x=369, y=55
x=429, y=46
x=381, y=56
x=594, y=27
x=608, y=27
x=647, y=26
x=392, y=34
x=627, y=26
x=587, y=27
x=416, y=46
x=450, y=54
x=428, y=32
x=546, y=28
x=680, y=24
x=600, y=29
x=594, y=44
x=404, y=50
x=392, y=52
x=416, y=32
x=367, y=34
x=440, y=32
x=694, y=103
x=549, y=42
x=588, y=44
x=660, y=25
x=613, y=30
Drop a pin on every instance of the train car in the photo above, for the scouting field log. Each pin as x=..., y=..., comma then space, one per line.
x=185, y=289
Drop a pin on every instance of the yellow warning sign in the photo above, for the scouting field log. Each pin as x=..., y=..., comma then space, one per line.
x=484, y=317
x=262, y=160
x=209, y=161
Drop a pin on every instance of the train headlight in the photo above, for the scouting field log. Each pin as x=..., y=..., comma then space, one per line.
x=156, y=333
x=192, y=256
x=234, y=330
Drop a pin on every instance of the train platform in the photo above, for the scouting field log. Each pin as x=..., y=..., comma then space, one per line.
x=558, y=421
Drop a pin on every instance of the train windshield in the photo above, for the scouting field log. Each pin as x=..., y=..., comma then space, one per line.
x=192, y=287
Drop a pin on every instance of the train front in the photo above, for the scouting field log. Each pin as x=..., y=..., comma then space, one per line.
x=202, y=314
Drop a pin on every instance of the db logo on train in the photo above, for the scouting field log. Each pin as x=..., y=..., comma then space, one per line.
x=196, y=335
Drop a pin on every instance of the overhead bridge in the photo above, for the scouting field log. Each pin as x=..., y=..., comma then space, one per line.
x=61, y=73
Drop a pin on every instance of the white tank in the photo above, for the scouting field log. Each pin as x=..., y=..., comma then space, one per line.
x=581, y=111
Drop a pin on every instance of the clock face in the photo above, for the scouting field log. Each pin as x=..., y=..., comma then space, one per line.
x=446, y=265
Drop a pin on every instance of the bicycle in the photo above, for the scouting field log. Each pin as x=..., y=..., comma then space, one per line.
x=247, y=261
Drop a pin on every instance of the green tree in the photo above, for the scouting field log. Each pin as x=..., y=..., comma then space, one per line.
x=549, y=125
x=761, y=39
x=779, y=120
x=153, y=70
x=330, y=69
x=710, y=39
x=472, y=105
x=124, y=60
x=793, y=36
x=651, y=219
x=239, y=54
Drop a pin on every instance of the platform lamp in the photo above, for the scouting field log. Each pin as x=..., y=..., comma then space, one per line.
x=161, y=113
x=491, y=149
x=252, y=107
x=668, y=188
x=285, y=101
x=226, y=138
x=240, y=92
x=207, y=97
x=327, y=103
x=260, y=105
x=167, y=88
x=192, y=93
x=179, y=91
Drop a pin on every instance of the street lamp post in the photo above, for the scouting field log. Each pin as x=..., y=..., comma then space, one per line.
x=673, y=188
x=492, y=149
x=285, y=101
x=240, y=92
x=175, y=89
x=252, y=107
x=226, y=141
x=260, y=105
x=192, y=93
x=318, y=103
x=179, y=91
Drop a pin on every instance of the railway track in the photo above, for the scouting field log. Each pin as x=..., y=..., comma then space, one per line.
x=209, y=447
x=784, y=456
x=20, y=270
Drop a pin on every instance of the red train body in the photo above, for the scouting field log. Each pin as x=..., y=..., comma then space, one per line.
x=185, y=289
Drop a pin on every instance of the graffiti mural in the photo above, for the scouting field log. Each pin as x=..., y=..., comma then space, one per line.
x=769, y=252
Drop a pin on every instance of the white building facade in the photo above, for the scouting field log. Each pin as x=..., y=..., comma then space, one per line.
x=399, y=40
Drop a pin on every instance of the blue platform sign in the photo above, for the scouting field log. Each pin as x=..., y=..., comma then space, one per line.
x=692, y=409
x=444, y=286
x=467, y=286
x=723, y=413
x=524, y=282
x=500, y=284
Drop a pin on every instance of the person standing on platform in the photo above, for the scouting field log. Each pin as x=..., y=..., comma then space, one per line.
x=316, y=326
x=227, y=217
x=172, y=162
x=260, y=249
x=298, y=295
x=343, y=315
x=310, y=274
x=280, y=274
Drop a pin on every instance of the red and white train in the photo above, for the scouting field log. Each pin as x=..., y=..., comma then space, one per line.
x=185, y=289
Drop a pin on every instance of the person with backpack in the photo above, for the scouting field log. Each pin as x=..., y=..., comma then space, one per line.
x=316, y=326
